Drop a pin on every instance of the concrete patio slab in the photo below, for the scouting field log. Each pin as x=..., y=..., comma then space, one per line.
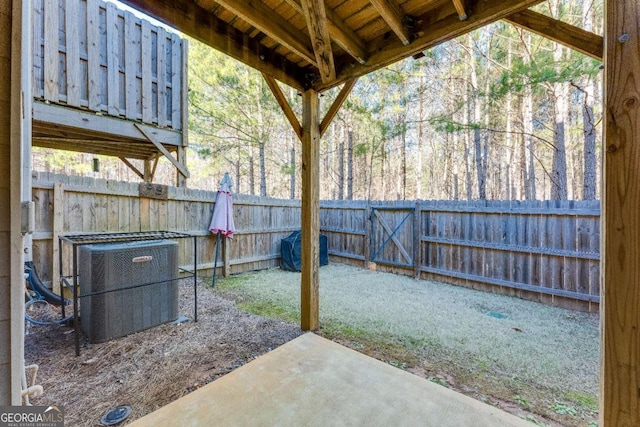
x=311, y=381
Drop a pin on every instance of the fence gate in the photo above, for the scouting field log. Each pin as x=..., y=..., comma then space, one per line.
x=392, y=236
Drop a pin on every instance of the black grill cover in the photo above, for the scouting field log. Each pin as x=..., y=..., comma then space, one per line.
x=290, y=250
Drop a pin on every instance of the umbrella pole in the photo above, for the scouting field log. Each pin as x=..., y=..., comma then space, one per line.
x=215, y=261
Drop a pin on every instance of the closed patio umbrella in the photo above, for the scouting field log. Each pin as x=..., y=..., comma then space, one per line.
x=222, y=220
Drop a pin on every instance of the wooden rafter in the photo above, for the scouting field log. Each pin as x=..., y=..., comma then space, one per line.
x=435, y=27
x=573, y=37
x=337, y=103
x=460, y=8
x=316, y=17
x=394, y=17
x=271, y=24
x=284, y=105
x=197, y=22
x=340, y=33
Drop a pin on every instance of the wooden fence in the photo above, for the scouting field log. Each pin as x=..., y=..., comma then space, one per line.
x=545, y=251
x=90, y=54
x=65, y=204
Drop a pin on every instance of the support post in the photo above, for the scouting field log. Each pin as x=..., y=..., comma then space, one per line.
x=310, y=257
x=58, y=229
x=15, y=127
x=620, y=284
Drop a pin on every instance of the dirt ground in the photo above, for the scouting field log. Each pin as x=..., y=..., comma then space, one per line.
x=151, y=368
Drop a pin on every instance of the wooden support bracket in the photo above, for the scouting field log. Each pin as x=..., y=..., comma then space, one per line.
x=183, y=170
x=132, y=167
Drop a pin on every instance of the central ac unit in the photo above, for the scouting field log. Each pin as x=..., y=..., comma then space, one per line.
x=148, y=268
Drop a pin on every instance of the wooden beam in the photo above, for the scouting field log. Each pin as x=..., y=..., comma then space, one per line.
x=337, y=103
x=191, y=19
x=132, y=167
x=340, y=33
x=183, y=170
x=271, y=24
x=394, y=17
x=435, y=27
x=106, y=148
x=316, y=17
x=284, y=105
x=462, y=12
x=310, y=221
x=620, y=290
x=55, y=117
x=573, y=37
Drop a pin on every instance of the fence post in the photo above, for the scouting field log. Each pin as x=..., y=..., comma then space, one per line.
x=367, y=236
x=58, y=228
x=417, y=240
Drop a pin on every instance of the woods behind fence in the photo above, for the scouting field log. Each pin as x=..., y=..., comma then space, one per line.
x=545, y=251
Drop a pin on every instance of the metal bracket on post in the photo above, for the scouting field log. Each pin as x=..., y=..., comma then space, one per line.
x=27, y=217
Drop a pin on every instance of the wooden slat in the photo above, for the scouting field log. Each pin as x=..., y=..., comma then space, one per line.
x=38, y=52
x=131, y=52
x=316, y=17
x=176, y=83
x=272, y=24
x=310, y=257
x=337, y=103
x=113, y=62
x=620, y=324
x=184, y=93
x=284, y=104
x=58, y=228
x=51, y=69
x=571, y=36
x=162, y=77
x=147, y=94
x=72, y=42
x=394, y=17
x=93, y=55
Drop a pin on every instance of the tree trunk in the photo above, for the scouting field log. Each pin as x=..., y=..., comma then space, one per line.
x=559, y=164
x=480, y=160
x=292, y=178
x=349, y=163
x=588, y=121
x=418, y=171
x=341, y=166
x=403, y=166
x=561, y=94
x=252, y=183
x=263, y=171
x=527, y=124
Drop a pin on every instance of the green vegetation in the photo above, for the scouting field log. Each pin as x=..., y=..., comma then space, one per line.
x=446, y=334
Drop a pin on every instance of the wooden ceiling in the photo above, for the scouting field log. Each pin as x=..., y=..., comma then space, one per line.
x=322, y=43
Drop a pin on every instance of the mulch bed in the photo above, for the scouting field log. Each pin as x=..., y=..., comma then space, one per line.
x=152, y=368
